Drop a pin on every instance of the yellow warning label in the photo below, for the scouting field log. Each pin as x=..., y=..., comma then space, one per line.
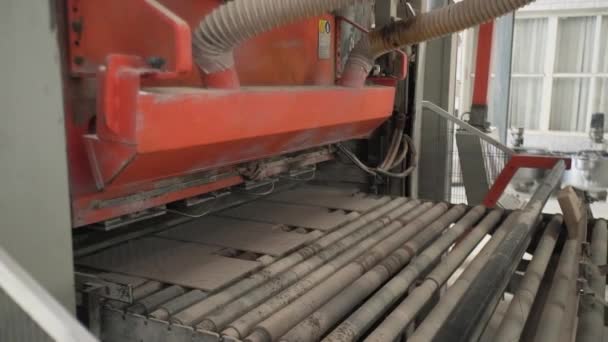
x=324, y=39
x=324, y=26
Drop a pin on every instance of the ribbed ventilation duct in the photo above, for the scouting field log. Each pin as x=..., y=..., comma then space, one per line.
x=236, y=21
x=426, y=26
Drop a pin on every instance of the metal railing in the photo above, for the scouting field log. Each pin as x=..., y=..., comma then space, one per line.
x=488, y=160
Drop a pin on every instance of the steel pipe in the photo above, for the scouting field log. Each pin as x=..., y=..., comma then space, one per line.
x=360, y=321
x=474, y=310
x=214, y=39
x=516, y=316
x=147, y=304
x=425, y=26
x=166, y=310
x=591, y=318
x=549, y=326
x=433, y=321
x=146, y=289
x=194, y=313
x=242, y=327
x=321, y=266
x=315, y=325
x=279, y=323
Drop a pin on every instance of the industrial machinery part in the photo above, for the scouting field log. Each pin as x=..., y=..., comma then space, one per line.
x=589, y=171
x=215, y=38
x=142, y=132
x=145, y=129
x=478, y=176
x=474, y=309
x=466, y=126
x=590, y=167
x=350, y=280
x=328, y=315
x=513, y=323
x=527, y=179
x=426, y=26
x=517, y=137
x=407, y=311
x=597, y=128
x=192, y=125
x=591, y=318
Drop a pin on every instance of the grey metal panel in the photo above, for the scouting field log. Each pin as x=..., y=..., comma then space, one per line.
x=257, y=237
x=291, y=215
x=347, y=199
x=34, y=202
x=432, y=132
x=473, y=168
x=181, y=263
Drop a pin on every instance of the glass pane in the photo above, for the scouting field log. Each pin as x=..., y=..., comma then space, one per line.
x=575, y=44
x=569, y=104
x=603, y=67
x=529, y=45
x=525, y=102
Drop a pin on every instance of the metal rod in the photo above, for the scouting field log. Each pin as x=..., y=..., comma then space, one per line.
x=352, y=23
x=360, y=321
x=555, y=307
x=591, y=318
x=464, y=125
x=279, y=323
x=149, y=303
x=194, y=313
x=315, y=325
x=474, y=310
x=217, y=320
x=166, y=310
x=242, y=326
x=146, y=289
x=516, y=316
x=448, y=301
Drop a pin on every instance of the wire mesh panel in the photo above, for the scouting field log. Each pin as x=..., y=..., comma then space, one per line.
x=495, y=161
x=477, y=159
x=491, y=159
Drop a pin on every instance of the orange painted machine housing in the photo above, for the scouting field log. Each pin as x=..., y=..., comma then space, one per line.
x=143, y=131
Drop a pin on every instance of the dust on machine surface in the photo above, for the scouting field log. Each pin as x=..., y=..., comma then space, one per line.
x=241, y=171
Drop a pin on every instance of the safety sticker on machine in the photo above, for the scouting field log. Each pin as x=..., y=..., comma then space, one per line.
x=324, y=39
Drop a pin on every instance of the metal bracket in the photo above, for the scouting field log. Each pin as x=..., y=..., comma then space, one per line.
x=90, y=283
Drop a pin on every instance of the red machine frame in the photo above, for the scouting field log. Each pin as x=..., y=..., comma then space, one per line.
x=146, y=132
x=517, y=162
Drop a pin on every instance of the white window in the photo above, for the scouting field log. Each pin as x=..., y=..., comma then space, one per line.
x=560, y=71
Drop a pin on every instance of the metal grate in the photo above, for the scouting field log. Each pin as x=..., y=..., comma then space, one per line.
x=455, y=192
x=494, y=161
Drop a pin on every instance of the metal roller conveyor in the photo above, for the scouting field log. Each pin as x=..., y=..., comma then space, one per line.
x=375, y=271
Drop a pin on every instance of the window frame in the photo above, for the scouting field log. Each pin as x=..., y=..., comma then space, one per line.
x=549, y=75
